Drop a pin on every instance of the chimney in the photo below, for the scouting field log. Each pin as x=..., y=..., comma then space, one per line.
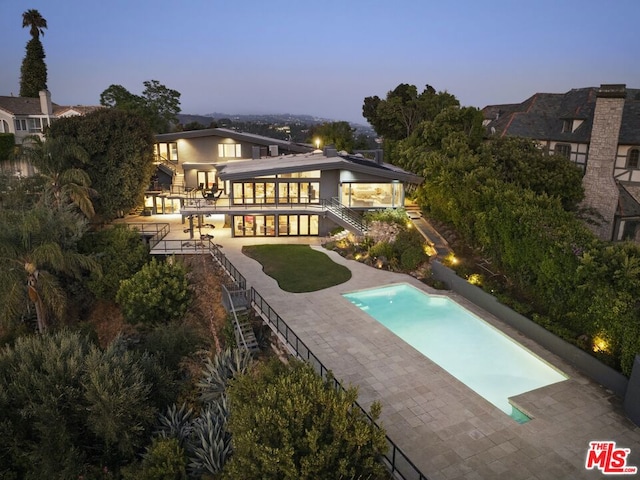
x=379, y=155
x=255, y=152
x=600, y=188
x=330, y=151
x=45, y=102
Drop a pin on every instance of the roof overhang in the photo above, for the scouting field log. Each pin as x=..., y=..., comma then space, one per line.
x=299, y=163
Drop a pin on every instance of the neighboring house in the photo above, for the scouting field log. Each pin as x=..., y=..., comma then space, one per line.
x=26, y=116
x=268, y=187
x=599, y=130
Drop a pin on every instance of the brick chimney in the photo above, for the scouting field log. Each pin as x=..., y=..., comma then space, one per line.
x=601, y=191
x=45, y=102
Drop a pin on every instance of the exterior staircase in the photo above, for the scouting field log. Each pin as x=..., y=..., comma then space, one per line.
x=236, y=303
x=344, y=216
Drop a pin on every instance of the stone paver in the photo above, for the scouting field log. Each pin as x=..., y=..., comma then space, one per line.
x=445, y=428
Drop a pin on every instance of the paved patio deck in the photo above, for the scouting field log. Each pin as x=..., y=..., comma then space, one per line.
x=445, y=428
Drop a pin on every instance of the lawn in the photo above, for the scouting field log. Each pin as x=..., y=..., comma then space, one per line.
x=298, y=268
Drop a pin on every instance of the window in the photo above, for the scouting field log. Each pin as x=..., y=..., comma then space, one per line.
x=567, y=126
x=206, y=179
x=632, y=158
x=229, y=150
x=21, y=125
x=35, y=125
x=563, y=149
x=166, y=152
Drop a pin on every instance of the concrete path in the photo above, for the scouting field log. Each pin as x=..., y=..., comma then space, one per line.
x=445, y=428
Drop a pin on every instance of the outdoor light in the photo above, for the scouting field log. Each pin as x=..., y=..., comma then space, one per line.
x=318, y=143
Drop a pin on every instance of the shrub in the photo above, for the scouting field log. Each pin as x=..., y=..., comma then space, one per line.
x=164, y=460
x=159, y=292
x=225, y=366
x=381, y=249
x=171, y=343
x=7, y=145
x=120, y=252
x=412, y=257
x=289, y=423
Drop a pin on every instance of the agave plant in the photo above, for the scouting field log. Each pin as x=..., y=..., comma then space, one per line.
x=217, y=373
x=176, y=423
x=210, y=442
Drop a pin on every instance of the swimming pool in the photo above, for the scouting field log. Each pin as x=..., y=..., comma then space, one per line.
x=476, y=353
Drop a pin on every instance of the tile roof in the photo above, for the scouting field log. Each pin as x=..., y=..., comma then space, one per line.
x=542, y=116
x=22, y=105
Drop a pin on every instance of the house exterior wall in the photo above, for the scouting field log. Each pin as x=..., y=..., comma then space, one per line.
x=621, y=171
x=601, y=192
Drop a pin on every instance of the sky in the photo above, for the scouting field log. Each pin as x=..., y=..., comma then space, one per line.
x=322, y=58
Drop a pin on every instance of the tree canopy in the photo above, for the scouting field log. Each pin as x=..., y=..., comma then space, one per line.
x=339, y=134
x=119, y=145
x=158, y=105
x=399, y=114
x=33, y=72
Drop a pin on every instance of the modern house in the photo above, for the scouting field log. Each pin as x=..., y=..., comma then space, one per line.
x=599, y=130
x=268, y=187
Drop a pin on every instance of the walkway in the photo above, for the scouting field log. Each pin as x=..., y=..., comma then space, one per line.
x=446, y=429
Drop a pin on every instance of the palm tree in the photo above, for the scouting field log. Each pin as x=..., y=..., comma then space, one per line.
x=37, y=247
x=36, y=22
x=56, y=160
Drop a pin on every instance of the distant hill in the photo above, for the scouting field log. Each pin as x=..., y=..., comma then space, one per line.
x=284, y=126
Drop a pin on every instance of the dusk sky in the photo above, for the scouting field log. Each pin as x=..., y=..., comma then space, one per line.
x=323, y=58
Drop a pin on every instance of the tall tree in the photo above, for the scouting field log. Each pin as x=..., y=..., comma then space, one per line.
x=397, y=116
x=33, y=73
x=120, y=149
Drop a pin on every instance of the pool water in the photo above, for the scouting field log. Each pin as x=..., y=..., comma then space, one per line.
x=476, y=353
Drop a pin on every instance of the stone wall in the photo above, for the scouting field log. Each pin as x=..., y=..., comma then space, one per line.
x=601, y=191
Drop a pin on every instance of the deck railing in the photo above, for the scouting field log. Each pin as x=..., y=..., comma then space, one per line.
x=154, y=231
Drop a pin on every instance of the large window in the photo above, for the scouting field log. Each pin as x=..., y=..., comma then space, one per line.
x=632, y=158
x=229, y=150
x=21, y=124
x=254, y=225
x=248, y=193
x=297, y=225
x=371, y=195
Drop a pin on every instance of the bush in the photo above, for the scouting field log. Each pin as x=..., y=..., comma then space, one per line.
x=171, y=343
x=164, y=460
x=289, y=423
x=382, y=249
x=411, y=258
x=158, y=293
x=120, y=252
x=7, y=145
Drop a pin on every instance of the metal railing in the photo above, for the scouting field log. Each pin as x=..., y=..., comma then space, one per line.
x=395, y=459
x=158, y=231
x=351, y=217
x=240, y=340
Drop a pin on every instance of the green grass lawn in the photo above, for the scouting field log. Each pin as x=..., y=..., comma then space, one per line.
x=298, y=268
